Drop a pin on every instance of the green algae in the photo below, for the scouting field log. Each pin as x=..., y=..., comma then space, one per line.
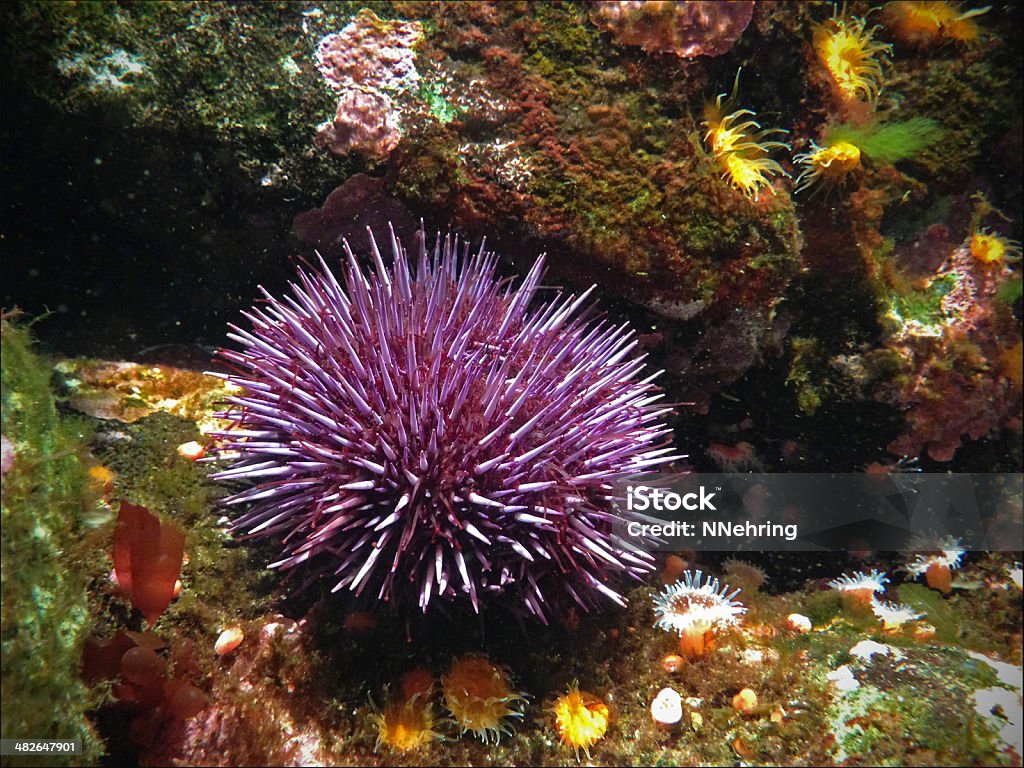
x=889, y=142
x=1011, y=290
x=45, y=614
x=806, y=354
x=923, y=308
x=888, y=720
x=240, y=82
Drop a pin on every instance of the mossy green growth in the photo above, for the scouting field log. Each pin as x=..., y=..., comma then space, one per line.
x=439, y=107
x=1011, y=290
x=801, y=374
x=888, y=142
x=923, y=308
x=44, y=609
x=887, y=721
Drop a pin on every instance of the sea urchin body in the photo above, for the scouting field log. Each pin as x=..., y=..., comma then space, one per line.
x=423, y=433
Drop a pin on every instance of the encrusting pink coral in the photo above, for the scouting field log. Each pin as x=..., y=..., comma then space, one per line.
x=366, y=121
x=368, y=62
x=370, y=53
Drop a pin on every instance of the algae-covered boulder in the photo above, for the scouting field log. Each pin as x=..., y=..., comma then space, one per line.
x=43, y=603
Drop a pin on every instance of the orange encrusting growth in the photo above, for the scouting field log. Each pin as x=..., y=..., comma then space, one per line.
x=740, y=147
x=478, y=695
x=1012, y=360
x=101, y=480
x=581, y=719
x=851, y=56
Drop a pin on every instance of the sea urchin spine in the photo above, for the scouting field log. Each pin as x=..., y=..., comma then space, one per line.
x=423, y=434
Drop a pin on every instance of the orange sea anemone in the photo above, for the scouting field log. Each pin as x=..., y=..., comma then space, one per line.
x=741, y=457
x=478, y=695
x=860, y=587
x=740, y=147
x=894, y=615
x=747, y=575
x=943, y=556
x=418, y=681
x=830, y=166
x=853, y=59
x=101, y=480
x=922, y=23
x=406, y=725
x=991, y=248
x=696, y=609
x=581, y=718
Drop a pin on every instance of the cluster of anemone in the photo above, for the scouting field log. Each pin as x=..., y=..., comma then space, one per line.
x=853, y=58
x=695, y=608
x=740, y=146
x=476, y=692
x=864, y=587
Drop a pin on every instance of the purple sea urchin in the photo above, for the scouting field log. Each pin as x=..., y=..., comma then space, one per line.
x=427, y=434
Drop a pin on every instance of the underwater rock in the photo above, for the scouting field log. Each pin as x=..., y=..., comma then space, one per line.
x=127, y=392
x=370, y=53
x=953, y=338
x=686, y=28
x=361, y=202
x=43, y=602
x=366, y=61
